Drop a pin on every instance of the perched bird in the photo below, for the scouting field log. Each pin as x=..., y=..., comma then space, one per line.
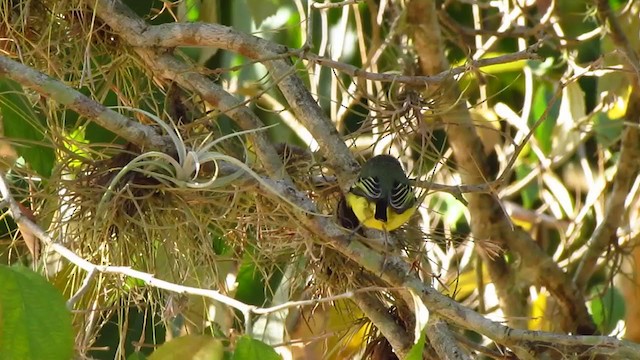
x=382, y=198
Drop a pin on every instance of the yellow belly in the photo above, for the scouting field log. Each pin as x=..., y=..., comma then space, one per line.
x=365, y=212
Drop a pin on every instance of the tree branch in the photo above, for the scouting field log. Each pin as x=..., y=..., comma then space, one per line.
x=443, y=341
x=394, y=270
x=488, y=220
x=605, y=234
x=397, y=336
x=134, y=132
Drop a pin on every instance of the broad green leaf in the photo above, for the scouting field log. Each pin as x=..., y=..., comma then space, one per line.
x=544, y=132
x=416, y=350
x=530, y=193
x=190, y=347
x=76, y=137
x=137, y=356
x=250, y=349
x=192, y=11
x=607, y=308
x=34, y=320
x=26, y=126
x=125, y=330
x=253, y=287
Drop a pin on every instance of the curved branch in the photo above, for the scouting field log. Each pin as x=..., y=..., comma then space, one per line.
x=443, y=341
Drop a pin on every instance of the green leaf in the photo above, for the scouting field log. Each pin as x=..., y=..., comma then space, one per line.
x=34, y=320
x=416, y=350
x=530, y=193
x=190, y=347
x=123, y=331
x=193, y=10
x=250, y=349
x=253, y=287
x=28, y=127
x=607, y=308
x=544, y=132
x=137, y=356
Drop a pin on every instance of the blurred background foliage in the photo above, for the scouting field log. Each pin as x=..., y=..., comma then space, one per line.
x=247, y=244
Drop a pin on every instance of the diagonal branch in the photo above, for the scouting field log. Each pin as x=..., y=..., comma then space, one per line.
x=134, y=132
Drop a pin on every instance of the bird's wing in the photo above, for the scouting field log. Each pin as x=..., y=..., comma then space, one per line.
x=368, y=187
x=401, y=197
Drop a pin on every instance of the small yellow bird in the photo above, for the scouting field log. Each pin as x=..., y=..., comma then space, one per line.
x=382, y=198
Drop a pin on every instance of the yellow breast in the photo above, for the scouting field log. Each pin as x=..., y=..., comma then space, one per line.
x=365, y=212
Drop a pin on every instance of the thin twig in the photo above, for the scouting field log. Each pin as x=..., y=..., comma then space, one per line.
x=329, y=5
x=528, y=54
x=83, y=288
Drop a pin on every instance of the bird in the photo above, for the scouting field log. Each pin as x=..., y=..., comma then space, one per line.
x=382, y=197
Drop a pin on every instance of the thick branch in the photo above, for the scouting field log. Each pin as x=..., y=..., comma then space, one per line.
x=488, y=220
x=397, y=336
x=443, y=341
x=468, y=151
x=605, y=235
